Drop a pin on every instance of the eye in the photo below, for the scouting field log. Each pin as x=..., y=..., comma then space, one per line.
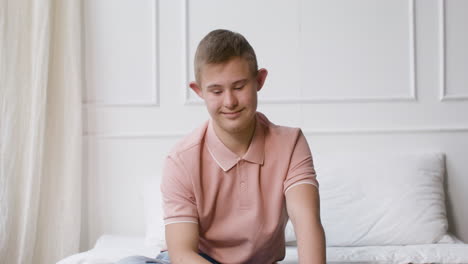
x=216, y=91
x=238, y=87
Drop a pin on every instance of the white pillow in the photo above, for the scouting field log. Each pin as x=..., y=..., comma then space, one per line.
x=366, y=199
x=381, y=199
x=155, y=232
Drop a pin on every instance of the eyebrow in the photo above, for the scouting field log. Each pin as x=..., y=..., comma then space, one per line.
x=215, y=86
x=240, y=81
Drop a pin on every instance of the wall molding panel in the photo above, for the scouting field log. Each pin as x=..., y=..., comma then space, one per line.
x=442, y=8
x=154, y=100
x=412, y=86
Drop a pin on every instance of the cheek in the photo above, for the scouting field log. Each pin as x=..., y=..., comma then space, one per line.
x=212, y=105
x=250, y=97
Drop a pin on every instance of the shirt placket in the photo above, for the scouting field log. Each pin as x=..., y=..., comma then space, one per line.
x=244, y=198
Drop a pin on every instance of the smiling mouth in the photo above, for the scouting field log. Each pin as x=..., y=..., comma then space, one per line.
x=232, y=114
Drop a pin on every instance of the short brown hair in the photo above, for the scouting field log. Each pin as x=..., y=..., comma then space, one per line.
x=220, y=46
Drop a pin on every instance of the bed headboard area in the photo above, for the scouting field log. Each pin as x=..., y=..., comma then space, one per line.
x=117, y=191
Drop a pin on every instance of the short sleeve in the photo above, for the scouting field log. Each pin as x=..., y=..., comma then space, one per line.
x=301, y=167
x=179, y=204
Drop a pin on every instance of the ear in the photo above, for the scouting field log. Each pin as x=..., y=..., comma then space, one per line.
x=261, y=77
x=197, y=89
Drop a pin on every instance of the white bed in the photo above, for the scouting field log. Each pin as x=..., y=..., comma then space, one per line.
x=375, y=208
x=110, y=248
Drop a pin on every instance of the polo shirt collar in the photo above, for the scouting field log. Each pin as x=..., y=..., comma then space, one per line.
x=225, y=158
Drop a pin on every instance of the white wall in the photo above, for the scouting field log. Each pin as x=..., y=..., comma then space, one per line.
x=364, y=74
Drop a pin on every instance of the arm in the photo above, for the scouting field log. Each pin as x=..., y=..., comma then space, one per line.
x=180, y=214
x=303, y=205
x=182, y=243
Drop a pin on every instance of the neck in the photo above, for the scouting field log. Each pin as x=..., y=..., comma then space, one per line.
x=237, y=142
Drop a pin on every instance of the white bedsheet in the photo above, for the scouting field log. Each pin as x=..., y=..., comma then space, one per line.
x=109, y=249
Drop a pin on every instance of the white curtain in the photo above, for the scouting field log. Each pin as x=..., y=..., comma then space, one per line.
x=40, y=130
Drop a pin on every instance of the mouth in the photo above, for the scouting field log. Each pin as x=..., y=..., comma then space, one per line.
x=232, y=114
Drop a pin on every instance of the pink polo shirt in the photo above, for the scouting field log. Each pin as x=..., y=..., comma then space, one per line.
x=238, y=202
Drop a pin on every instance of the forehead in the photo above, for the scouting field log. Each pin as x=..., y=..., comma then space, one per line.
x=224, y=73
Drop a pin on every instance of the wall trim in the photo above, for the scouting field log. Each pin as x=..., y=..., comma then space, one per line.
x=443, y=56
x=185, y=56
x=306, y=131
x=322, y=100
x=299, y=100
x=155, y=98
x=454, y=98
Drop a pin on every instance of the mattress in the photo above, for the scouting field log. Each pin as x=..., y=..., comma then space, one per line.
x=110, y=248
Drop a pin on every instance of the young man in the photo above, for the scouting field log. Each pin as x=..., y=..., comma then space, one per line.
x=229, y=187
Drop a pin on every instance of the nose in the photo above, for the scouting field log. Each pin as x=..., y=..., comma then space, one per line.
x=230, y=100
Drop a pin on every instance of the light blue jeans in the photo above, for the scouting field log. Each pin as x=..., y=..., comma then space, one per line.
x=162, y=258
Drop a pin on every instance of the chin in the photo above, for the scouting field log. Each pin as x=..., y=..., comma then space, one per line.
x=235, y=128
x=230, y=128
x=234, y=125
